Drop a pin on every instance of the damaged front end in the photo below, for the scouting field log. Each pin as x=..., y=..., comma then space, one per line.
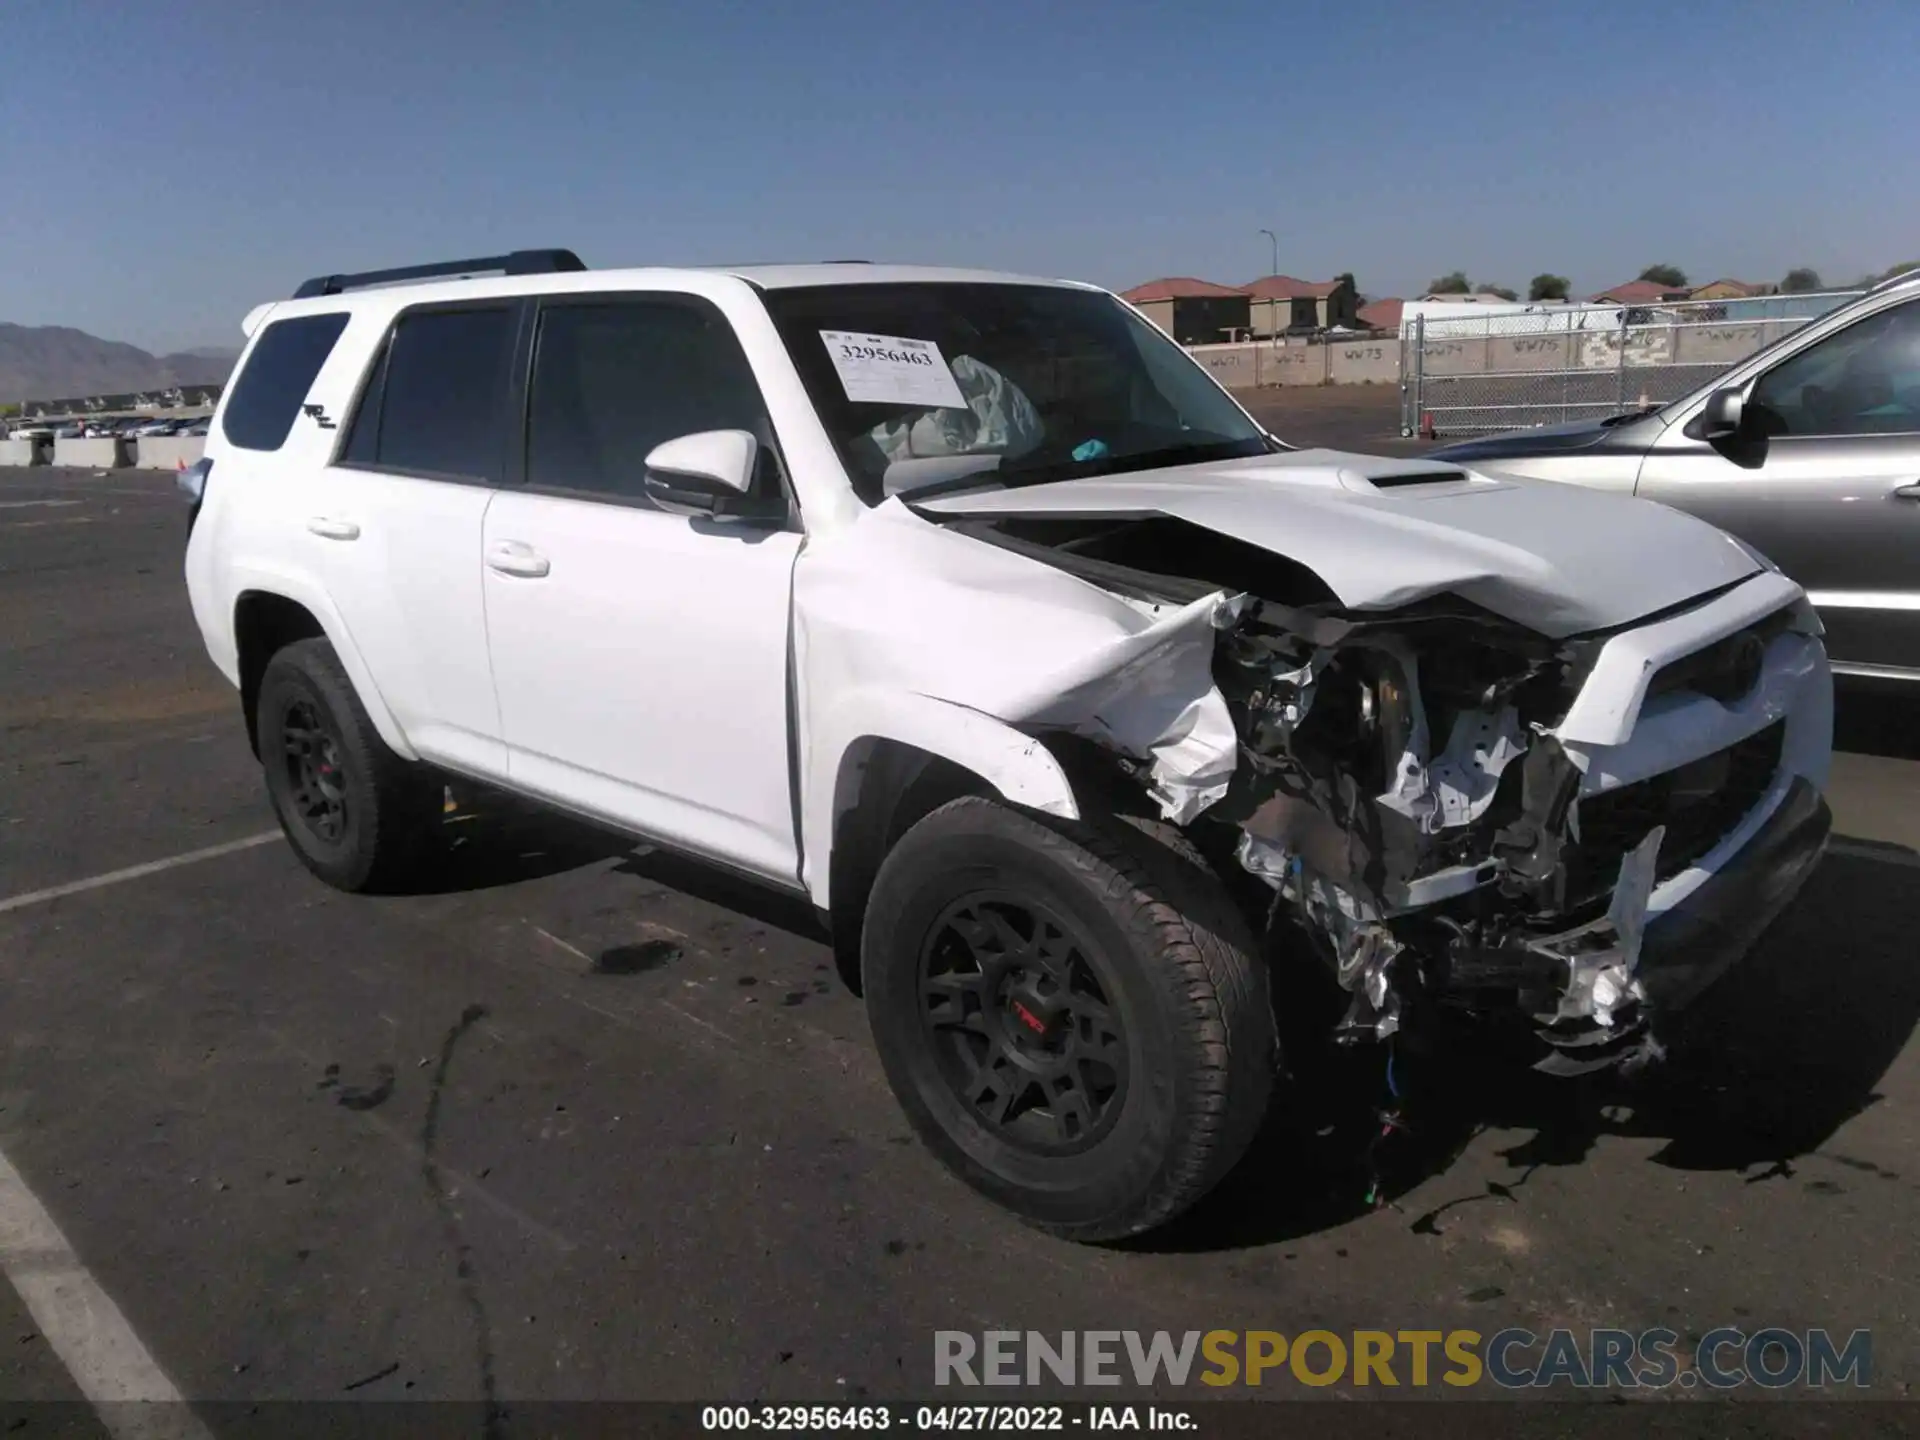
x=1398, y=788
x=1405, y=784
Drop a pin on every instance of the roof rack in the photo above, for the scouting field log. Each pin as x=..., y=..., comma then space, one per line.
x=518, y=262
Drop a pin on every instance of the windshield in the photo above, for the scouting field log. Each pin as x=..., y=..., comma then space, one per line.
x=926, y=384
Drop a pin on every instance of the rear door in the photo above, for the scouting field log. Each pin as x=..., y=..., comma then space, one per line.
x=1829, y=488
x=397, y=521
x=641, y=656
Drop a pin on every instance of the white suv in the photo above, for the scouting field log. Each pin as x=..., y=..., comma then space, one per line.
x=1095, y=720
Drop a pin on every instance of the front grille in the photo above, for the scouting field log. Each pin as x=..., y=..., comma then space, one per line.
x=1727, y=669
x=1700, y=804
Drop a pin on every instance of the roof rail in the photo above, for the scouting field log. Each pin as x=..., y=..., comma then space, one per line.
x=518, y=262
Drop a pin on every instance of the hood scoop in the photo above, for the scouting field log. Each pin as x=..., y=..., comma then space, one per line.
x=1408, y=479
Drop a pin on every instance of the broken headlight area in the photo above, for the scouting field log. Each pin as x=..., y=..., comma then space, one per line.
x=1397, y=785
x=1400, y=788
x=1382, y=763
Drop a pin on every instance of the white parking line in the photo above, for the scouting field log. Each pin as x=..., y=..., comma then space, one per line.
x=134, y=1398
x=29, y=504
x=136, y=872
x=43, y=524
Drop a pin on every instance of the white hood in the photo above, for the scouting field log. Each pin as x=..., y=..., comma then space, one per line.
x=1558, y=558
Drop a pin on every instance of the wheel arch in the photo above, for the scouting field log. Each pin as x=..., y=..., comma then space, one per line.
x=266, y=619
x=905, y=759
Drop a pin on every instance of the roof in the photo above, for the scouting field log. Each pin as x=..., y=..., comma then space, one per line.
x=1285, y=287
x=1382, y=314
x=1180, y=287
x=793, y=277
x=1639, y=292
x=1467, y=297
x=766, y=277
x=1741, y=287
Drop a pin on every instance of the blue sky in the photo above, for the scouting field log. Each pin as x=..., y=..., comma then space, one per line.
x=166, y=167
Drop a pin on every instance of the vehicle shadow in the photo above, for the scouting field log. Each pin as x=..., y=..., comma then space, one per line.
x=1763, y=1069
x=764, y=904
x=492, y=841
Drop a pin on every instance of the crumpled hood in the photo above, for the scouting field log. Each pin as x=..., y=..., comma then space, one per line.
x=1381, y=533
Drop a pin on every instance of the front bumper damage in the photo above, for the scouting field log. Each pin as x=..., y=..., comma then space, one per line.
x=1461, y=815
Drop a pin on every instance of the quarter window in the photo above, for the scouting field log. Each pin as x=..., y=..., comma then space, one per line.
x=267, y=397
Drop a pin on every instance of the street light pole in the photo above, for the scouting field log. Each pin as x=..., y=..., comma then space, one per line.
x=1274, y=240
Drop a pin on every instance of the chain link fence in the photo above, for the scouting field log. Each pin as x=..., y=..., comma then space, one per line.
x=1561, y=363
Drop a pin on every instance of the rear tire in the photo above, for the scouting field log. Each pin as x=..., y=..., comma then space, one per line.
x=355, y=813
x=1073, y=1016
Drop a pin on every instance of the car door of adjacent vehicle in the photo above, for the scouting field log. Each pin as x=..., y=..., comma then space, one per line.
x=641, y=656
x=1826, y=483
x=398, y=521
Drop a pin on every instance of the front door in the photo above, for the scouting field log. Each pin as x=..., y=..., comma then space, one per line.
x=1827, y=486
x=640, y=656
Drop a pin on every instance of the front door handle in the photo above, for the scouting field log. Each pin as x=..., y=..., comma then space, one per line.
x=328, y=529
x=1908, y=492
x=511, y=557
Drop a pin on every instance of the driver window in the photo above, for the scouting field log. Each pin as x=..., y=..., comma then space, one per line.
x=1863, y=381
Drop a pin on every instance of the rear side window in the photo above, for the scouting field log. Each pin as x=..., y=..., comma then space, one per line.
x=289, y=353
x=436, y=403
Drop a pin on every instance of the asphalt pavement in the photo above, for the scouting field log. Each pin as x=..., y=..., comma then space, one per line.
x=581, y=1121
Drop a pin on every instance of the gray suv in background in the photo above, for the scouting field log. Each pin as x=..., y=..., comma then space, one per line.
x=1809, y=451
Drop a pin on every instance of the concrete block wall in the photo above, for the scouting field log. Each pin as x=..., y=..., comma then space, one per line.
x=1454, y=357
x=167, y=452
x=1363, y=362
x=23, y=452
x=1530, y=352
x=1355, y=362
x=1235, y=366
x=1717, y=344
x=90, y=454
x=1293, y=365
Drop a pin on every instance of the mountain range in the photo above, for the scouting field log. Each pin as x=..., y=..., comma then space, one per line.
x=49, y=362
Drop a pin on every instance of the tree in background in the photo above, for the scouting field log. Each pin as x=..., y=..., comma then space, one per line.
x=1548, y=287
x=1502, y=291
x=1892, y=270
x=1801, y=280
x=1345, y=277
x=7, y=412
x=1453, y=283
x=1671, y=276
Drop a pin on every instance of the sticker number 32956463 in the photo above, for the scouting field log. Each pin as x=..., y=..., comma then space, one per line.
x=892, y=370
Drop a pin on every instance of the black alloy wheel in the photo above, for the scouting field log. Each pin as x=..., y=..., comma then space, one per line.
x=316, y=772
x=1072, y=1014
x=1026, y=1033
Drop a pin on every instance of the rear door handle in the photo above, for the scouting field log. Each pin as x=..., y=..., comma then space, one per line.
x=1908, y=492
x=333, y=529
x=512, y=557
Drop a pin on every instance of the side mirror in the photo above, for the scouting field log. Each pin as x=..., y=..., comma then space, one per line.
x=1724, y=415
x=705, y=473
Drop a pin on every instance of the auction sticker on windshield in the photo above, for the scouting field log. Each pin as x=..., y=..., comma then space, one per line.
x=890, y=370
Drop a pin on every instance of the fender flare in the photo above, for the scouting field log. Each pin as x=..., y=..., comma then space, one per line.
x=1021, y=770
x=290, y=585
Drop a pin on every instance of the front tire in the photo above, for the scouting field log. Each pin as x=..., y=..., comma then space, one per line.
x=355, y=812
x=1073, y=1016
